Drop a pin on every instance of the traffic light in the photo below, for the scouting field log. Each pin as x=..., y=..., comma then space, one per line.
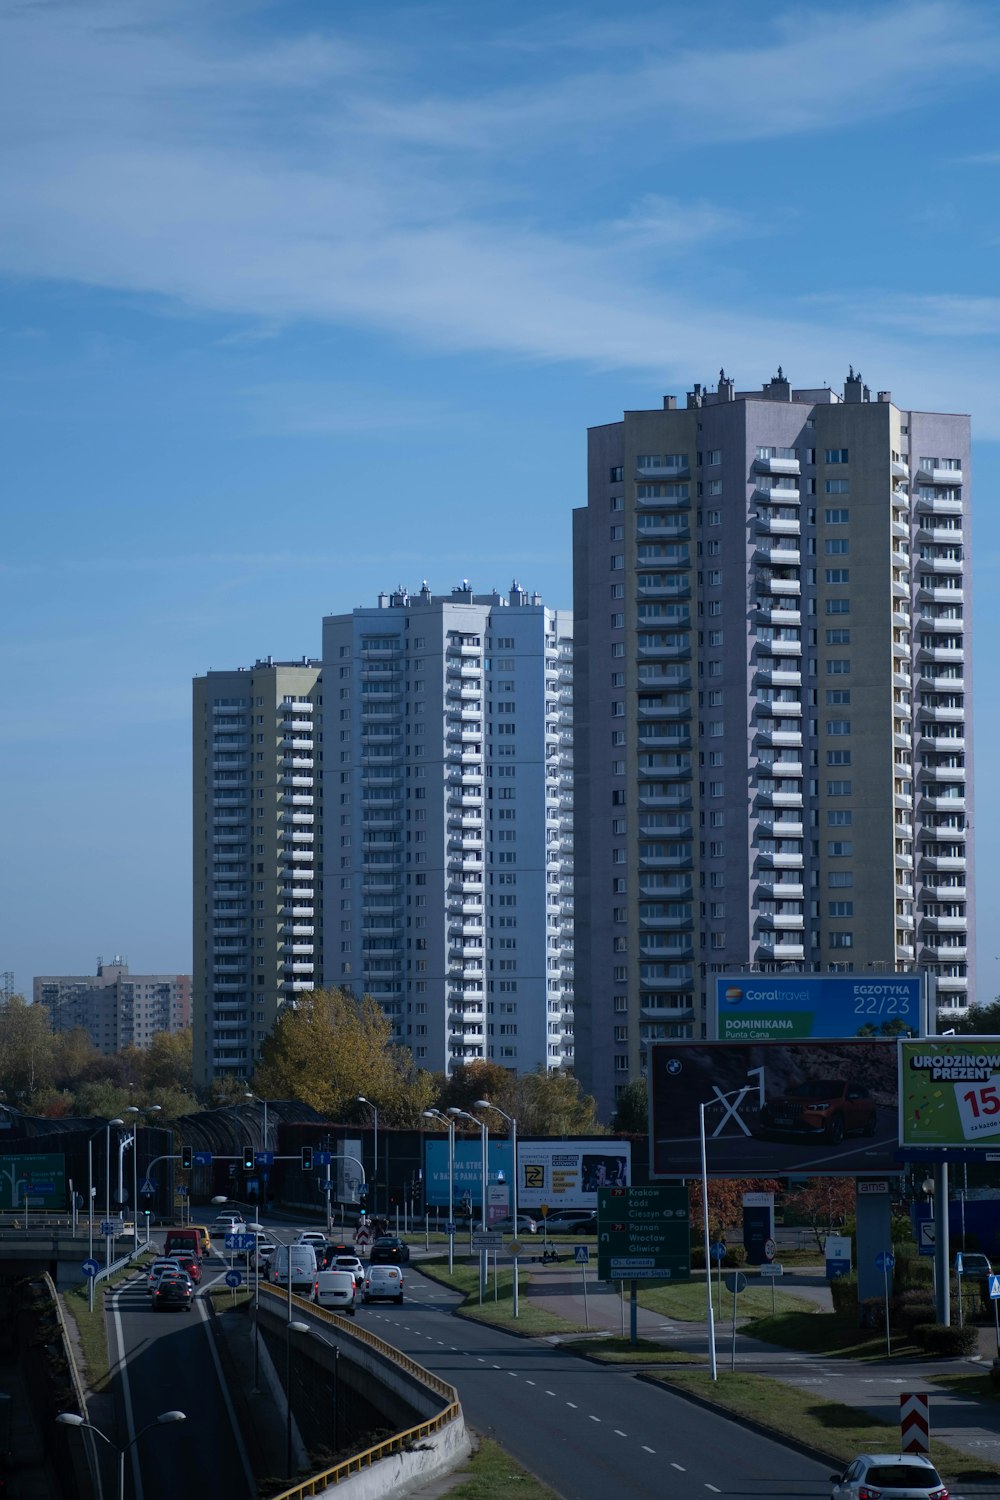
x=307, y=1158
x=248, y=1159
x=186, y=1161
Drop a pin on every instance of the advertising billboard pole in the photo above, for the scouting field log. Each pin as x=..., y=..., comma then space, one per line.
x=709, y=1309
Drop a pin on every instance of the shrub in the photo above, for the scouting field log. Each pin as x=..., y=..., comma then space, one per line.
x=873, y=1312
x=735, y=1255
x=940, y=1338
x=844, y=1292
x=912, y=1307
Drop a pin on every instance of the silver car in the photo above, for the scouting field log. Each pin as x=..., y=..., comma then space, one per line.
x=891, y=1476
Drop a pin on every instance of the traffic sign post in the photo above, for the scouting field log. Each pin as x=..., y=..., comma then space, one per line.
x=581, y=1254
x=736, y=1282
x=486, y=1239
x=994, y=1284
x=772, y=1270
x=884, y=1262
x=643, y=1234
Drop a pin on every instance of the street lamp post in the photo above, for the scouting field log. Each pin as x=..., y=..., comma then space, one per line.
x=485, y=1104
x=264, y=1170
x=709, y=1308
x=484, y=1137
x=135, y=1109
x=449, y=1125
x=362, y=1100
x=90, y=1176
x=71, y=1419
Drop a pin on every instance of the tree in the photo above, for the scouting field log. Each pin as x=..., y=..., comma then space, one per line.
x=632, y=1112
x=333, y=1047
x=553, y=1104
x=824, y=1203
x=475, y=1080
x=978, y=1020
x=168, y=1061
x=725, y=1200
x=26, y=1052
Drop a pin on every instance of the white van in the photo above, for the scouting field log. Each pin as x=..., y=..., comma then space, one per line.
x=335, y=1289
x=302, y=1259
x=383, y=1283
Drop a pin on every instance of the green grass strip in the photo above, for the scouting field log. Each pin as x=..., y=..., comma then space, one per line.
x=493, y=1475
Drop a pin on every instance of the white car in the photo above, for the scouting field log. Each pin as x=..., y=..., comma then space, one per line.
x=349, y=1263
x=314, y=1237
x=383, y=1284
x=903, y=1476
x=157, y=1268
x=227, y=1224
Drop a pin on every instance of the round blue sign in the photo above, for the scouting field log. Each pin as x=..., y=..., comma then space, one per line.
x=90, y=1268
x=233, y=1278
x=885, y=1260
x=717, y=1250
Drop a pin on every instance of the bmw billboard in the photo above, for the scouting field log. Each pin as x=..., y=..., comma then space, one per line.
x=775, y=1007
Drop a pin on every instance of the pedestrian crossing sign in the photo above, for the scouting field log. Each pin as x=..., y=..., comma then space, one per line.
x=582, y=1254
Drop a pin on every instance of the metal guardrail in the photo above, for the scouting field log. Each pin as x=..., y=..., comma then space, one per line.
x=316, y=1483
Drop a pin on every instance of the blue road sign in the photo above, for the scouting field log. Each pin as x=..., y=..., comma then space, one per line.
x=202, y=1158
x=265, y=1158
x=90, y=1268
x=326, y=1186
x=322, y=1158
x=717, y=1250
x=451, y=1227
x=233, y=1278
x=147, y=1185
x=885, y=1260
x=239, y=1241
x=994, y=1288
x=107, y=1226
x=581, y=1254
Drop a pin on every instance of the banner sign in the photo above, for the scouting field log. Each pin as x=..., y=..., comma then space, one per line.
x=41, y=1178
x=569, y=1174
x=949, y=1092
x=468, y=1170
x=768, y=1007
x=772, y=1108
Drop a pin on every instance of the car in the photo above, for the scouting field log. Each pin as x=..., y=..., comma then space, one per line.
x=567, y=1220
x=191, y=1265
x=314, y=1237
x=898, y=1476
x=827, y=1107
x=349, y=1263
x=973, y=1263
x=173, y=1291
x=525, y=1224
x=337, y=1290
x=326, y=1257
x=388, y=1250
x=157, y=1267
x=383, y=1283
x=584, y=1226
x=224, y=1224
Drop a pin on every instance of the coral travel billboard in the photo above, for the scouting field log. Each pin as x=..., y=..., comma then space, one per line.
x=816, y=1107
x=773, y=1007
x=949, y=1092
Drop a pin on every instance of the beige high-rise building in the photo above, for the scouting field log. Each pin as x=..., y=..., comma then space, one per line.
x=773, y=757
x=257, y=856
x=115, y=1008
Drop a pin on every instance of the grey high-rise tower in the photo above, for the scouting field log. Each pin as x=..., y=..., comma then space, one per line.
x=771, y=688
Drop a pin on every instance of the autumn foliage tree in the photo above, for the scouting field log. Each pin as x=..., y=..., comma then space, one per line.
x=725, y=1200
x=332, y=1047
x=824, y=1203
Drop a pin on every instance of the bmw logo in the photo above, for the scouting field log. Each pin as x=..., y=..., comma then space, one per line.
x=674, y=1065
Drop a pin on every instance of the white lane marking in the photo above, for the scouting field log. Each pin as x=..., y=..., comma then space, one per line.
x=234, y=1426
x=511, y=1373
x=480, y=1359
x=713, y=1487
x=126, y=1395
x=550, y=1393
x=529, y=1382
x=595, y=1419
x=572, y=1404
x=679, y=1466
x=619, y=1433
x=647, y=1450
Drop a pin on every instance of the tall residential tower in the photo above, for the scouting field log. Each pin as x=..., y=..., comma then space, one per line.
x=447, y=788
x=772, y=687
x=257, y=856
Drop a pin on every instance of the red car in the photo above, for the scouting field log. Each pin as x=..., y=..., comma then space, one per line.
x=192, y=1265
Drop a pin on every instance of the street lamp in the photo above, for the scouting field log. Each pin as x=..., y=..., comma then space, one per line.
x=90, y=1174
x=290, y=1328
x=134, y=1109
x=485, y=1104
x=449, y=1125
x=484, y=1136
x=307, y=1328
x=709, y=1309
x=362, y=1100
x=71, y=1419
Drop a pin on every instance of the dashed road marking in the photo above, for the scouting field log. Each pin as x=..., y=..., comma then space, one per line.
x=714, y=1488
x=529, y=1382
x=572, y=1404
x=550, y=1393
x=647, y=1450
x=619, y=1433
x=594, y=1419
x=679, y=1466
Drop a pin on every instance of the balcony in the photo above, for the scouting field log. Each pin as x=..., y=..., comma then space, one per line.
x=773, y=860
x=949, y=477
x=296, y=763
x=937, y=505
x=776, y=557
x=791, y=587
x=779, y=890
x=663, y=471
x=776, y=465
x=898, y=469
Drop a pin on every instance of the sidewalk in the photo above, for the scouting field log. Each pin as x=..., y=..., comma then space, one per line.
x=873, y=1388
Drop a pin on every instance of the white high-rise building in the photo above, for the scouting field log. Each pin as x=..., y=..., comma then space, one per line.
x=447, y=773
x=772, y=695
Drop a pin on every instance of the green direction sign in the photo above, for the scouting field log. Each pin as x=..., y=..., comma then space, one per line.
x=643, y=1234
x=41, y=1178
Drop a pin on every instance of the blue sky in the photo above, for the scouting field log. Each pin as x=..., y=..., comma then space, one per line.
x=301, y=301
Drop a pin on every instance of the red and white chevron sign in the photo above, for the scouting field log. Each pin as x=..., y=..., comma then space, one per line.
x=914, y=1422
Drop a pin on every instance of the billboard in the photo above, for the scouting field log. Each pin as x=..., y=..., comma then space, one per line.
x=823, y=1108
x=41, y=1179
x=949, y=1092
x=468, y=1170
x=774, y=1007
x=568, y=1174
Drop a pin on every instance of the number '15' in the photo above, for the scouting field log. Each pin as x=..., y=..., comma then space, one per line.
x=983, y=1101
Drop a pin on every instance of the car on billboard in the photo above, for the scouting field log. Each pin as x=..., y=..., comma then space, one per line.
x=828, y=1107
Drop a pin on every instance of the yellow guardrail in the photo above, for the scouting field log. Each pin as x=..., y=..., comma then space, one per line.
x=316, y=1483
